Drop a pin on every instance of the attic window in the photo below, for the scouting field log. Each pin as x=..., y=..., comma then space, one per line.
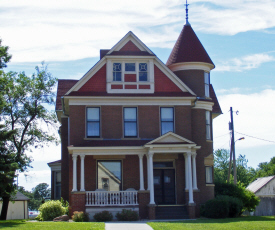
x=116, y=71
x=130, y=67
x=142, y=71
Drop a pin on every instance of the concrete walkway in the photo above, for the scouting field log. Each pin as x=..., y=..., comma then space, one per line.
x=127, y=226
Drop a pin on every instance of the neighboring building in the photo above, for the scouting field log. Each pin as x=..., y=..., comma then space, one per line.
x=137, y=133
x=264, y=188
x=18, y=207
x=55, y=179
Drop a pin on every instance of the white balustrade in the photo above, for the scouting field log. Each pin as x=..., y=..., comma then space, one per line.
x=110, y=198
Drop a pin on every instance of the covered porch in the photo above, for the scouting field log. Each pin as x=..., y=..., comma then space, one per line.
x=136, y=173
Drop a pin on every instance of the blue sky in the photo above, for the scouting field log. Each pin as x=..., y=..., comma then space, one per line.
x=238, y=35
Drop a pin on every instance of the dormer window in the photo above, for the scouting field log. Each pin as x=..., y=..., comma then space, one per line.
x=116, y=71
x=142, y=71
x=130, y=67
x=206, y=83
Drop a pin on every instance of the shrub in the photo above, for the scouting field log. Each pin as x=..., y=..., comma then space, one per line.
x=65, y=204
x=51, y=209
x=235, y=205
x=80, y=217
x=127, y=215
x=250, y=201
x=216, y=208
x=103, y=216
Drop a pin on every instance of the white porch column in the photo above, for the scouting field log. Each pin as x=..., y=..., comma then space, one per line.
x=82, y=187
x=148, y=173
x=141, y=179
x=191, y=201
x=186, y=171
x=74, y=173
x=151, y=175
x=194, y=170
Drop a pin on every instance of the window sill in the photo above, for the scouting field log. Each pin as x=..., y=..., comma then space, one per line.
x=92, y=138
x=130, y=138
x=210, y=185
x=211, y=141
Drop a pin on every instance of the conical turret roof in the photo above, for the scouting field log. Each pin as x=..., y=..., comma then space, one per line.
x=188, y=48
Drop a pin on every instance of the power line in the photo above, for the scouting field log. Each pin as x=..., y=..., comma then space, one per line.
x=255, y=137
x=221, y=135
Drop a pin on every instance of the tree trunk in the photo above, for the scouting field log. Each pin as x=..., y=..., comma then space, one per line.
x=5, y=206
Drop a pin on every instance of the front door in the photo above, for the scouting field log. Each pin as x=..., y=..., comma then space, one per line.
x=164, y=185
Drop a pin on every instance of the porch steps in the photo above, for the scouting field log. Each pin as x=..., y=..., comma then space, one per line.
x=171, y=212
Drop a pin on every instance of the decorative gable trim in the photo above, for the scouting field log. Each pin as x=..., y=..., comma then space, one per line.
x=170, y=137
x=130, y=36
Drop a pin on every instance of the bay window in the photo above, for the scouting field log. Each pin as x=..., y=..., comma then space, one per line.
x=206, y=83
x=209, y=174
x=208, y=125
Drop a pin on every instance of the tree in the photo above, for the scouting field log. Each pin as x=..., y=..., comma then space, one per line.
x=41, y=191
x=24, y=112
x=245, y=174
x=4, y=55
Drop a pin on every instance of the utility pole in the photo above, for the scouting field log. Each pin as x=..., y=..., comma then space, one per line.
x=232, y=149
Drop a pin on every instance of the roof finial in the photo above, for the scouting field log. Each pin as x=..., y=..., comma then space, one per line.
x=186, y=9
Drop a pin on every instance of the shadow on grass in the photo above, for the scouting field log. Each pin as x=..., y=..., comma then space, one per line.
x=228, y=220
x=12, y=223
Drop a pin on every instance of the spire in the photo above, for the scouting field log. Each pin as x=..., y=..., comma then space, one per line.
x=186, y=9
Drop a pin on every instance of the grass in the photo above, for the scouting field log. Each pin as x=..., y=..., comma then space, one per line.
x=22, y=225
x=246, y=223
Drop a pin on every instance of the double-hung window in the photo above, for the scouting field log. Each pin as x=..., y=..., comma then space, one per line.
x=206, y=84
x=209, y=174
x=208, y=125
x=167, y=120
x=116, y=71
x=93, y=122
x=130, y=122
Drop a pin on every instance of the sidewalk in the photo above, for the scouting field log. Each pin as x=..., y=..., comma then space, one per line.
x=127, y=226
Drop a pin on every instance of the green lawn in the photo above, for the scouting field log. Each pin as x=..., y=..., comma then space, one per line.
x=22, y=224
x=214, y=224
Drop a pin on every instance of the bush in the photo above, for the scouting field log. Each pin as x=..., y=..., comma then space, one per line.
x=103, y=216
x=235, y=205
x=80, y=217
x=65, y=204
x=127, y=215
x=250, y=201
x=51, y=209
x=216, y=208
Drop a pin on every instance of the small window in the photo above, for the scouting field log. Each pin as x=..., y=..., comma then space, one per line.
x=57, y=185
x=130, y=67
x=206, y=83
x=116, y=71
x=109, y=175
x=93, y=122
x=163, y=164
x=209, y=174
x=130, y=122
x=208, y=125
x=167, y=120
x=142, y=71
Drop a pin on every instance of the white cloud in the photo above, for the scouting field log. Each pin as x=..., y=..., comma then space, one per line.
x=69, y=30
x=255, y=118
x=245, y=63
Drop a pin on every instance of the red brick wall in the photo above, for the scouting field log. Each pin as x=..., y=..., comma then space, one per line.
x=131, y=172
x=90, y=173
x=143, y=201
x=65, y=159
x=183, y=121
x=163, y=83
x=129, y=46
x=77, y=203
x=116, y=86
x=97, y=83
x=148, y=119
x=180, y=179
x=111, y=124
x=130, y=86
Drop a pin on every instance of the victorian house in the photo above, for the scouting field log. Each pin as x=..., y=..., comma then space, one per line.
x=137, y=133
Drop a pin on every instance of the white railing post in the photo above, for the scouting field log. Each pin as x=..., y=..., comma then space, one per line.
x=191, y=201
x=141, y=178
x=194, y=171
x=151, y=173
x=186, y=171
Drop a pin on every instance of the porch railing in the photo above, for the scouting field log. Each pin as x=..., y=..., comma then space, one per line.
x=109, y=198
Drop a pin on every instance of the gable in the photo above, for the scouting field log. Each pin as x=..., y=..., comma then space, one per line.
x=129, y=46
x=163, y=83
x=97, y=83
x=171, y=137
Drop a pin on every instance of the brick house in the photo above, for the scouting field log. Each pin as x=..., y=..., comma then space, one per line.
x=137, y=133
